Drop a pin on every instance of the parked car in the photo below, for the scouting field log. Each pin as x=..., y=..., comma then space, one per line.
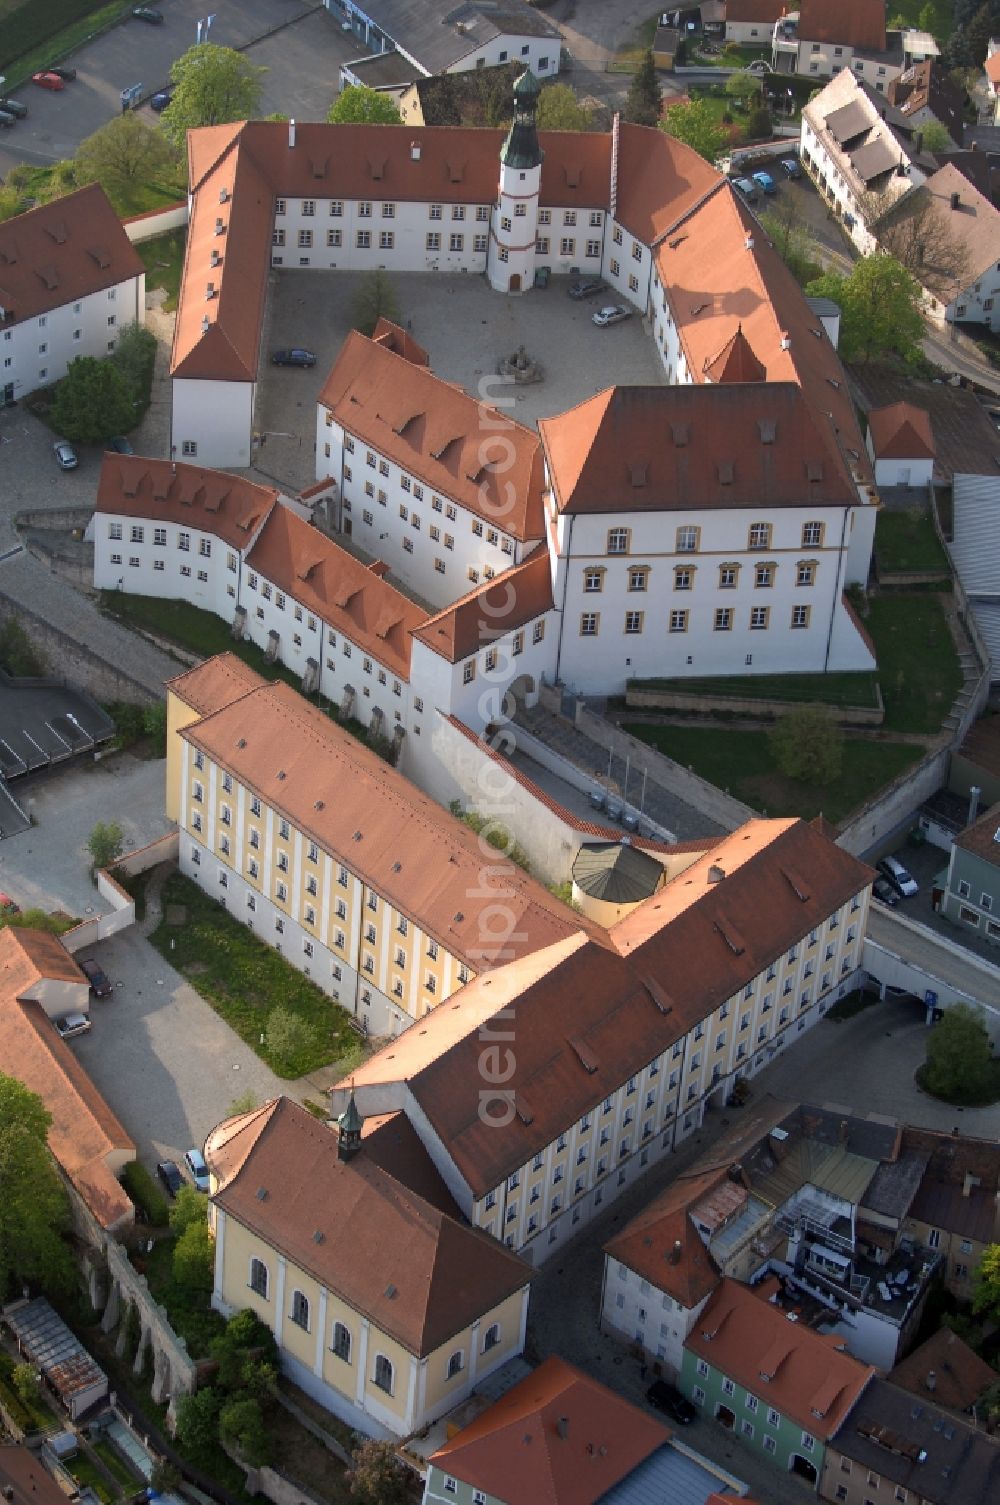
x=14, y=107
x=747, y=187
x=120, y=445
x=160, y=100
x=65, y=455
x=195, y=1162
x=669, y=1399
x=765, y=181
x=66, y=74
x=46, y=80
x=6, y=119
x=170, y=1176
x=613, y=314
x=8, y=906
x=585, y=289
x=790, y=167
x=100, y=982
x=73, y=1024
x=294, y=357
x=883, y=890
x=895, y=873
x=146, y=13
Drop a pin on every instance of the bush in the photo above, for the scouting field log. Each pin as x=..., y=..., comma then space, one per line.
x=241, y=1427
x=146, y=1195
x=288, y=1036
x=493, y=833
x=198, y=1422
x=24, y=1382
x=758, y=125
x=194, y=1258
x=134, y=357
x=189, y=1206
x=18, y=656
x=105, y=843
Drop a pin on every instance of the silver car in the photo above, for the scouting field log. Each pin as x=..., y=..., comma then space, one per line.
x=613, y=314
x=65, y=455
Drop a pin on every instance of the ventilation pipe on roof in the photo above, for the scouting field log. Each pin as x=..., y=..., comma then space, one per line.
x=974, y=796
x=291, y=134
x=215, y=258
x=204, y=325
x=210, y=290
x=786, y=343
x=219, y=226
x=748, y=242
x=223, y=195
x=716, y=873
x=415, y=151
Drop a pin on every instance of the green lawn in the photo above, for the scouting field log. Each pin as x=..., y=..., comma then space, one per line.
x=918, y=666
x=87, y=1474
x=163, y=258
x=190, y=1312
x=116, y=1465
x=49, y=30
x=742, y=762
x=46, y=183
x=244, y=979
x=906, y=541
x=828, y=689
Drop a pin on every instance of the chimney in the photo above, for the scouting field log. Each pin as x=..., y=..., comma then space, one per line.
x=974, y=795
x=562, y=1427
x=291, y=134
x=931, y=1380
x=786, y=343
x=205, y=325
x=716, y=873
x=956, y=201
x=219, y=227
x=748, y=242
x=415, y=151
x=676, y=1252
x=210, y=290
x=215, y=257
x=223, y=195
x=973, y=146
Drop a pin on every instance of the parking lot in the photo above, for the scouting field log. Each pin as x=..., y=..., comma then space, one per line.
x=303, y=61
x=464, y=326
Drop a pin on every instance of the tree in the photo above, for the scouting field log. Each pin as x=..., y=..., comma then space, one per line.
x=959, y=1065
x=743, y=87
x=241, y=1427
x=189, y=1206
x=92, y=401
x=105, y=843
x=193, y=1261
x=921, y=237
x=134, y=357
x=34, y=1207
x=212, y=86
x=879, y=303
x=246, y=1354
x=560, y=110
x=808, y=745
x=986, y=1276
x=789, y=232
x=165, y=1478
x=692, y=122
x=376, y=300
x=937, y=137
x=759, y=124
x=125, y=152
x=644, y=98
x=198, y=1421
x=377, y=1478
x=359, y=105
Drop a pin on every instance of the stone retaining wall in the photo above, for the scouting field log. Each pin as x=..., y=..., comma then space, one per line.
x=76, y=663
x=737, y=705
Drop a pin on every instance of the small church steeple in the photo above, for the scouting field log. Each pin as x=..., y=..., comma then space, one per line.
x=349, y=1126
x=510, y=261
x=521, y=149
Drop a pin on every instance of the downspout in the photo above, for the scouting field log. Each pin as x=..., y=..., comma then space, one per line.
x=837, y=592
x=357, y=954
x=562, y=609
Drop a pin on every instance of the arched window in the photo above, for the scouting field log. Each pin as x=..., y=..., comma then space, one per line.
x=383, y=1373
x=300, y=1310
x=455, y=1364
x=341, y=1344
x=492, y=1337
x=258, y=1278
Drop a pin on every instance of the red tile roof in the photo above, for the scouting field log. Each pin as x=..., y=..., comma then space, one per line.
x=662, y=1245
x=393, y=338
x=992, y=66
x=63, y=251
x=419, y=857
x=494, y=608
x=735, y=361
x=215, y=683
x=342, y=591
x=557, y=1438
x=901, y=432
x=946, y=1371
x=433, y=429
x=852, y=23
x=808, y=1377
x=84, y=1132
x=650, y=449
x=764, y=12
x=23, y=1472
x=660, y=180
x=165, y=491
x=416, y=1272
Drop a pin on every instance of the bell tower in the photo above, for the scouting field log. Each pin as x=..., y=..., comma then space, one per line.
x=511, y=260
x=349, y=1126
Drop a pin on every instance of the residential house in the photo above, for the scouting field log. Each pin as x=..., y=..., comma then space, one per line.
x=40, y=981
x=382, y=899
x=956, y=1211
x=565, y=1438
x=666, y=40
x=924, y=94
x=890, y=1448
x=972, y=888
x=901, y=445
x=818, y=41
x=945, y=1371
x=992, y=70
x=958, y=247
x=778, y=1385
x=385, y=1306
x=70, y=282
x=623, y=1036
x=750, y=23
x=439, y=37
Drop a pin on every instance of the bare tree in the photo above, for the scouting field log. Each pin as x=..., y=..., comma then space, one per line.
x=916, y=231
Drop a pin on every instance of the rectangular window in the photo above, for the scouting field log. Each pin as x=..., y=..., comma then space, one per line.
x=456, y=243
x=800, y=616
x=633, y=621
x=589, y=624
x=334, y=238
x=618, y=541
x=723, y=619
x=758, y=617
x=386, y=240
x=760, y=536
x=687, y=540
x=363, y=240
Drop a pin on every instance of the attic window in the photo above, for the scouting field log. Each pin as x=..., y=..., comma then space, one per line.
x=456, y=171
x=376, y=166
x=397, y=867
x=100, y=255
x=319, y=805
x=317, y=167
x=242, y=742
x=459, y=917
x=573, y=176
x=768, y=428
x=699, y=308
x=733, y=940
x=438, y=454
x=58, y=232
x=404, y=424
x=586, y=1057
x=391, y=1291
x=318, y=1236
x=638, y=472
x=814, y=470
x=662, y=1000
x=8, y=253
x=357, y=836
x=262, y=1194
x=523, y=1108
x=725, y=472
x=677, y=241
x=49, y=276
x=281, y=775
x=681, y=434
x=834, y=382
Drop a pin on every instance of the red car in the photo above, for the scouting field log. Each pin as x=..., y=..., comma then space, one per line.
x=48, y=80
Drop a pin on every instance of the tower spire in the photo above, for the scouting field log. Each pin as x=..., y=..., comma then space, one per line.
x=521, y=149
x=349, y=1127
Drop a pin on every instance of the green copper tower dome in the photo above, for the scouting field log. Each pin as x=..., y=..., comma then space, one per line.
x=521, y=149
